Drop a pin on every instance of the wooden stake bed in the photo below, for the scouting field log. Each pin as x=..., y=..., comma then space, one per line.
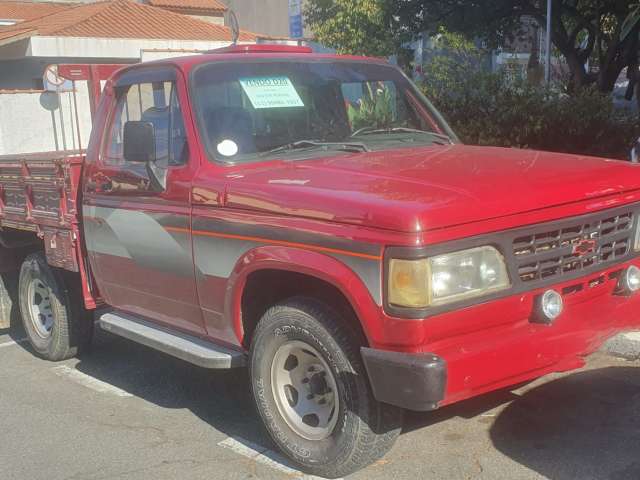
x=39, y=193
x=39, y=190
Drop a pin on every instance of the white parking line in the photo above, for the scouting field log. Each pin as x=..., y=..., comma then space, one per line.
x=89, y=382
x=13, y=342
x=264, y=456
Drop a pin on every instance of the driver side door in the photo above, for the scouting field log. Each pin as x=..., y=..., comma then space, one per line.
x=137, y=215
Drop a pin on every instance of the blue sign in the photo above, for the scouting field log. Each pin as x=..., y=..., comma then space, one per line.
x=295, y=26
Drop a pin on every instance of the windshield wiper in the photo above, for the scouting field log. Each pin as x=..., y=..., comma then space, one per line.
x=308, y=144
x=373, y=131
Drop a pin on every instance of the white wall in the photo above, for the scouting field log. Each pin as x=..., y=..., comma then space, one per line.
x=123, y=48
x=35, y=121
x=208, y=18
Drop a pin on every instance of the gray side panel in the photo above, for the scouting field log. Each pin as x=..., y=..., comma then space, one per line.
x=140, y=236
x=217, y=256
x=100, y=237
x=369, y=271
x=284, y=234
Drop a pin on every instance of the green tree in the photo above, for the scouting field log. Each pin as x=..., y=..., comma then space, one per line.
x=581, y=29
x=496, y=108
x=630, y=29
x=601, y=31
x=358, y=27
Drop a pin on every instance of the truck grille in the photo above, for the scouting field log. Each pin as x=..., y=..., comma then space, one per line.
x=575, y=246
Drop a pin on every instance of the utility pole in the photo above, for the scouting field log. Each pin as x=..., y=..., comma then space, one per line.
x=547, y=60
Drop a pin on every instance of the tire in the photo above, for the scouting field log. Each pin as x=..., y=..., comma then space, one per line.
x=57, y=325
x=359, y=431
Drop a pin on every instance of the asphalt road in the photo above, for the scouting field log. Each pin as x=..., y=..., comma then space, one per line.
x=127, y=412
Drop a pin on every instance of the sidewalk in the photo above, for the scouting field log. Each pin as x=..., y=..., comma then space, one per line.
x=625, y=345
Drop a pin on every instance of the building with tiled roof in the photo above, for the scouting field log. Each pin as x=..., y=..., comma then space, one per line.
x=111, y=31
x=125, y=19
x=12, y=11
x=267, y=17
x=37, y=34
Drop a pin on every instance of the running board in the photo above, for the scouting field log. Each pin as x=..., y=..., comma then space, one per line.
x=186, y=347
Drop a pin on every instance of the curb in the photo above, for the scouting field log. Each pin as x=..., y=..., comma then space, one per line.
x=625, y=345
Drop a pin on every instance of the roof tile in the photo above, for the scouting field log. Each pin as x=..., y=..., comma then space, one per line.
x=28, y=10
x=13, y=34
x=127, y=19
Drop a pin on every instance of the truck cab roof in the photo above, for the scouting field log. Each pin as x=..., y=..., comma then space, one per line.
x=250, y=52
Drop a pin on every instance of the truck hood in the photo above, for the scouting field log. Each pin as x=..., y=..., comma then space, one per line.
x=423, y=189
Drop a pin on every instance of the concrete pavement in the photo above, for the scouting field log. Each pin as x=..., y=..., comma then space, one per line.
x=127, y=412
x=625, y=345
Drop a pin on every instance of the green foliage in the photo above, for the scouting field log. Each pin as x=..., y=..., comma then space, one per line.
x=455, y=56
x=493, y=109
x=632, y=20
x=582, y=30
x=374, y=110
x=358, y=27
x=605, y=32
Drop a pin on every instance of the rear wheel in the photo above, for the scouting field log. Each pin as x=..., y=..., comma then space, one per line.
x=312, y=391
x=56, y=323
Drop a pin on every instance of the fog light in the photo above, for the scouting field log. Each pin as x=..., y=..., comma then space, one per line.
x=550, y=306
x=630, y=280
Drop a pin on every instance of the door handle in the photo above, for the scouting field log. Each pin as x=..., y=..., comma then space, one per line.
x=92, y=186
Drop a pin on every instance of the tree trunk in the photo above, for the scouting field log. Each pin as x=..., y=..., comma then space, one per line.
x=608, y=76
x=576, y=66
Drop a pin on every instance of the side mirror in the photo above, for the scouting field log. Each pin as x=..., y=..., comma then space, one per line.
x=139, y=142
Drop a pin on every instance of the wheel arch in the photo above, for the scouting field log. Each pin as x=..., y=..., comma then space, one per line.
x=304, y=272
x=15, y=246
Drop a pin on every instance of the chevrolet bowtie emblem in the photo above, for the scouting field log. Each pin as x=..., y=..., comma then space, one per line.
x=584, y=246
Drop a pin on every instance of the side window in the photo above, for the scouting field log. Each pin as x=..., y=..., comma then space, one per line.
x=156, y=103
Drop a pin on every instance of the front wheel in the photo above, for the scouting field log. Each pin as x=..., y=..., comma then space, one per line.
x=312, y=392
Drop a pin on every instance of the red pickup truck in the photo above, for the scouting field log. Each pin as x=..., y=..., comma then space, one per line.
x=314, y=218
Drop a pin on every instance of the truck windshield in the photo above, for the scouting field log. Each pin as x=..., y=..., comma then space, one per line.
x=253, y=110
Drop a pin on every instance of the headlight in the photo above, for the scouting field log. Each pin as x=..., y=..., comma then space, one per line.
x=446, y=278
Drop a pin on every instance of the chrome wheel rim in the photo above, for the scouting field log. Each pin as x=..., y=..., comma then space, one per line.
x=40, y=308
x=304, y=390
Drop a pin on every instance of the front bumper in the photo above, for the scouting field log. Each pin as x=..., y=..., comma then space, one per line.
x=497, y=344
x=414, y=382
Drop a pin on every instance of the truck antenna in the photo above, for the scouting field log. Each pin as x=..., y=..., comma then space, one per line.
x=234, y=25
